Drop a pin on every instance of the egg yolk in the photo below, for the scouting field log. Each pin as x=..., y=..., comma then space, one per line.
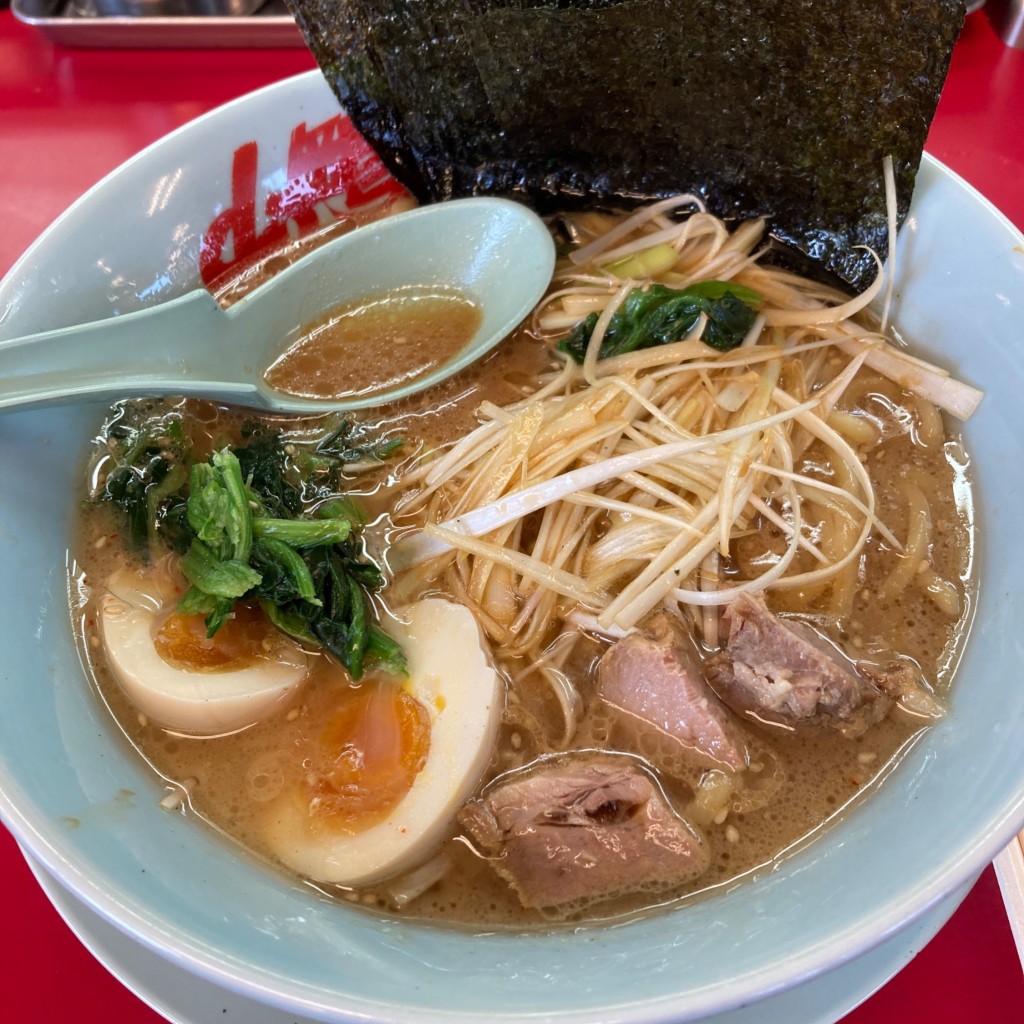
x=245, y=638
x=367, y=758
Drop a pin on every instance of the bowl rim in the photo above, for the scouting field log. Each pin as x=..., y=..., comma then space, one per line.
x=51, y=850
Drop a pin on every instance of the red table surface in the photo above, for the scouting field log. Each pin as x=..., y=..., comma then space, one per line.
x=69, y=116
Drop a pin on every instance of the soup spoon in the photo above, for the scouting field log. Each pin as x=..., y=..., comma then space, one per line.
x=493, y=252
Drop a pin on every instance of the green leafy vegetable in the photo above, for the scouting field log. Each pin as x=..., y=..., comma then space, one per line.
x=287, y=475
x=349, y=442
x=304, y=533
x=217, y=577
x=218, y=506
x=321, y=466
x=308, y=573
x=339, y=618
x=382, y=650
x=341, y=507
x=264, y=464
x=216, y=609
x=146, y=472
x=261, y=522
x=274, y=556
x=659, y=315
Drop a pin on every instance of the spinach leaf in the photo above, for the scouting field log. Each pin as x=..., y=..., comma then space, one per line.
x=216, y=609
x=264, y=465
x=261, y=522
x=303, y=533
x=350, y=442
x=217, y=577
x=219, y=517
x=659, y=315
x=284, y=573
x=147, y=472
x=286, y=475
x=386, y=653
x=340, y=617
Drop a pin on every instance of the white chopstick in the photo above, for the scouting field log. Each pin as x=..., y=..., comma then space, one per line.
x=1009, y=865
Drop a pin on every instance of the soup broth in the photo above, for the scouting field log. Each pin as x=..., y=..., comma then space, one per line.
x=376, y=344
x=795, y=779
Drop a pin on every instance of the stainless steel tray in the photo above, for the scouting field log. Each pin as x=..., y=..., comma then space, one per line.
x=72, y=25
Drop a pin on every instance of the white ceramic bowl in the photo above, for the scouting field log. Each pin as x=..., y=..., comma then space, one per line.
x=78, y=799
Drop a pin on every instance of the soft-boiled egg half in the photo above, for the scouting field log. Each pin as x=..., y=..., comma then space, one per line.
x=396, y=759
x=180, y=678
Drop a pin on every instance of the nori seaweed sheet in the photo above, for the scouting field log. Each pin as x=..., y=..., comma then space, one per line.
x=780, y=108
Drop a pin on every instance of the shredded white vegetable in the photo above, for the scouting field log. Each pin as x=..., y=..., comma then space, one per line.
x=626, y=483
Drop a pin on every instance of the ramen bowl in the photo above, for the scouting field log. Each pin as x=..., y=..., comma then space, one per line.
x=217, y=195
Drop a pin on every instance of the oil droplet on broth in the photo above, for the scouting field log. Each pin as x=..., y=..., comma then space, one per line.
x=376, y=343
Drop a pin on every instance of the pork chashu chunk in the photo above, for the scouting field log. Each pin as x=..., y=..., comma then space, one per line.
x=654, y=677
x=783, y=672
x=581, y=831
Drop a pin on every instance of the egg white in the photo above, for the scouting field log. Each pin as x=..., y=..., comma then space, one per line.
x=201, y=703
x=451, y=677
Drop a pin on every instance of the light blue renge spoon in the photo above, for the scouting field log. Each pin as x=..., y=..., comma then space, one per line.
x=494, y=252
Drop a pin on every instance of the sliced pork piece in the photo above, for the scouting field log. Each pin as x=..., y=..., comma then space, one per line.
x=653, y=677
x=783, y=672
x=581, y=831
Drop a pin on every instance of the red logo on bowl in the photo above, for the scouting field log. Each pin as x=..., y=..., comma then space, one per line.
x=332, y=174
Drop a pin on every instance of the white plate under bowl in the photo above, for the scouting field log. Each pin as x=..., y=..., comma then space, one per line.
x=81, y=803
x=185, y=999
